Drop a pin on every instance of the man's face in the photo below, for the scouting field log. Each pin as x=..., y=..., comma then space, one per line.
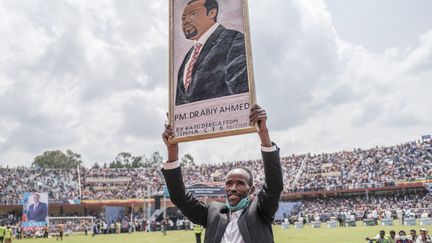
x=237, y=186
x=413, y=233
x=382, y=234
x=196, y=21
x=36, y=198
x=392, y=235
x=423, y=234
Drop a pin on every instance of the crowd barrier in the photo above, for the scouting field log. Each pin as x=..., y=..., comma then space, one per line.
x=368, y=222
x=425, y=221
x=331, y=224
x=298, y=225
x=387, y=222
x=316, y=224
x=410, y=221
x=351, y=223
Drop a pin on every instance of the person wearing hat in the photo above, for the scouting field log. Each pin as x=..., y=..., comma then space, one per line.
x=424, y=237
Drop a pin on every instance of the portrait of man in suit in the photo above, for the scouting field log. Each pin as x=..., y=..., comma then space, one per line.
x=215, y=65
x=38, y=211
x=246, y=216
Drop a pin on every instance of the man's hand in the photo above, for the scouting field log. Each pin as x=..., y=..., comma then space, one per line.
x=259, y=116
x=172, y=148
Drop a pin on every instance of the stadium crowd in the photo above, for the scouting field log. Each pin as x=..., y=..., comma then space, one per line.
x=376, y=167
x=120, y=183
x=59, y=184
x=371, y=168
x=360, y=207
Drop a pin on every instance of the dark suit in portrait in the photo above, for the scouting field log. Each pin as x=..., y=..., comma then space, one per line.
x=38, y=213
x=255, y=223
x=220, y=69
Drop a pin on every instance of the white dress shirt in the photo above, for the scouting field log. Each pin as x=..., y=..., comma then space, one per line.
x=202, y=40
x=232, y=231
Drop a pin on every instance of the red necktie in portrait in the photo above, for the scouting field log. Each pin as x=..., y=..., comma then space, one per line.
x=194, y=57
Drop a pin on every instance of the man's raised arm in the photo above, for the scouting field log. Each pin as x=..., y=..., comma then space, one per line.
x=259, y=116
x=172, y=148
x=269, y=195
x=193, y=209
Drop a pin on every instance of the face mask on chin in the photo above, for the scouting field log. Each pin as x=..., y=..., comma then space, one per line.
x=244, y=203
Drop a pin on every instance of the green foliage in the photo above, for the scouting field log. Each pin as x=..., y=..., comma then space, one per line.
x=57, y=160
x=127, y=160
x=156, y=158
x=122, y=161
x=137, y=161
x=187, y=159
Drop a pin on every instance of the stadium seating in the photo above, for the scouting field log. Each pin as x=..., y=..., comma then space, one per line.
x=378, y=167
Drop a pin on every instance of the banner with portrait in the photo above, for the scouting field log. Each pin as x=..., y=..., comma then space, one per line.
x=211, y=76
x=35, y=210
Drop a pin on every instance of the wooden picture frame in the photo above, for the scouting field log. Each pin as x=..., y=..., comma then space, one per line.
x=211, y=97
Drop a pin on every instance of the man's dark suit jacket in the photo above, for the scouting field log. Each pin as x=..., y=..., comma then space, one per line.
x=255, y=223
x=220, y=69
x=39, y=213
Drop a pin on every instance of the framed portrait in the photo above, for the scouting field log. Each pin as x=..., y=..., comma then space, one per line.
x=211, y=81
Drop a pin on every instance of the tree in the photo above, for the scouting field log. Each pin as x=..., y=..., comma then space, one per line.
x=137, y=162
x=187, y=160
x=57, y=160
x=127, y=160
x=123, y=160
x=156, y=158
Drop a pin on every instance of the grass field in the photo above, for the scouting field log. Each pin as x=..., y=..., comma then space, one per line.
x=306, y=235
